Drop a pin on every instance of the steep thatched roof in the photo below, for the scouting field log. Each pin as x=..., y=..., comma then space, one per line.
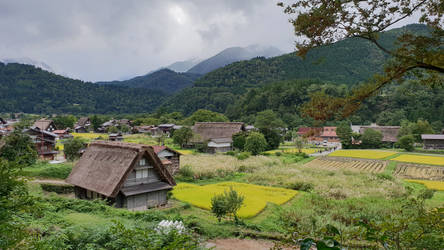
x=105, y=165
x=43, y=124
x=389, y=133
x=82, y=122
x=215, y=130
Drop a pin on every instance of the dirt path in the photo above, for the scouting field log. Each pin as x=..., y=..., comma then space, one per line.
x=50, y=181
x=237, y=244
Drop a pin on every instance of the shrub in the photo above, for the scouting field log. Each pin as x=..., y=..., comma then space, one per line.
x=255, y=143
x=371, y=138
x=59, y=189
x=406, y=142
x=72, y=148
x=239, y=140
x=186, y=173
x=227, y=203
x=278, y=153
x=232, y=153
x=301, y=186
x=219, y=206
x=243, y=156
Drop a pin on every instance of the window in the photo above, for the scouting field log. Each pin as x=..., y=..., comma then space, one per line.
x=142, y=162
x=143, y=173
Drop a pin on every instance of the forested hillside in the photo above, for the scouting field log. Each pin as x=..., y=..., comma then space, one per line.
x=24, y=88
x=346, y=62
x=164, y=80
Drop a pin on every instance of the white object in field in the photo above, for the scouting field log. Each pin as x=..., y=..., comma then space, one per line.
x=165, y=226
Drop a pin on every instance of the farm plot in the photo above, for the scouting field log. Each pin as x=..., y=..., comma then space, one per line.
x=435, y=185
x=415, y=171
x=256, y=197
x=330, y=163
x=365, y=154
x=421, y=159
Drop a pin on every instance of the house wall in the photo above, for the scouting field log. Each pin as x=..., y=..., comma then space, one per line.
x=174, y=158
x=146, y=200
x=433, y=144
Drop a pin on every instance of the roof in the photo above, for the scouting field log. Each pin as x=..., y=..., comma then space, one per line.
x=329, y=132
x=222, y=140
x=140, y=189
x=60, y=131
x=2, y=121
x=169, y=125
x=39, y=131
x=105, y=165
x=355, y=128
x=432, y=137
x=389, y=133
x=215, y=130
x=309, y=131
x=42, y=124
x=158, y=149
x=82, y=121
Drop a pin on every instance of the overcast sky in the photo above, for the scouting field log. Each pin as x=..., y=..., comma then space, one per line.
x=117, y=39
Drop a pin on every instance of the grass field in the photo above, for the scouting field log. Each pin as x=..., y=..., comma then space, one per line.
x=435, y=185
x=421, y=159
x=46, y=170
x=293, y=150
x=366, y=154
x=256, y=197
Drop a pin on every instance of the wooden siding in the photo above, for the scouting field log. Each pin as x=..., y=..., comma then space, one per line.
x=146, y=200
x=152, y=175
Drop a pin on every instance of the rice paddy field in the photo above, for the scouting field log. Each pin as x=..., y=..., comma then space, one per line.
x=416, y=171
x=421, y=159
x=329, y=163
x=365, y=154
x=89, y=136
x=256, y=197
x=435, y=185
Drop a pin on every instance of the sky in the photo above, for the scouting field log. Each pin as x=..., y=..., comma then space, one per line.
x=101, y=40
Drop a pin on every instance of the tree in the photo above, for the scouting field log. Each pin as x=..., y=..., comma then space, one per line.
x=272, y=137
x=406, y=142
x=239, y=140
x=19, y=148
x=227, y=203
x=182, y=136
x=203, y=115
x=345, y=134
x=219, y=206
x=268, y=119
x=14, y=201
x=371, y=138
x=65, y=121
x=299, y=143
x=255, y=143
x=416, y=129
x=325, y=22
x=72, y=148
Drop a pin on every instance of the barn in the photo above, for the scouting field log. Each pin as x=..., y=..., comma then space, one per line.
x=127, y=175
x=432, y=141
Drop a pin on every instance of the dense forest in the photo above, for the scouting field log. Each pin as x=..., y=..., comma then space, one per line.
x=164, y=80
x=24, y=88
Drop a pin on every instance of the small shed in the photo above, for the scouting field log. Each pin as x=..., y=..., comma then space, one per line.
x=432, y=141
x=115, y=137
x=169, y=157
x=127, y=175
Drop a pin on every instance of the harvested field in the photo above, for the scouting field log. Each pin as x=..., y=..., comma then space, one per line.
x=366, y=154
x=335, y=163
x=415, y=171
x=421, y=159
x=435, y=185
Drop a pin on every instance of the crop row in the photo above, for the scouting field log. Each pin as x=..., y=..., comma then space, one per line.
x=328, y=163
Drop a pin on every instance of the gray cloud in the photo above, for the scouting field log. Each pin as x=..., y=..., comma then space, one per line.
x=111, y=39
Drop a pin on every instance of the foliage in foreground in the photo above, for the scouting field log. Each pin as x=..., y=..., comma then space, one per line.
x=227, y=203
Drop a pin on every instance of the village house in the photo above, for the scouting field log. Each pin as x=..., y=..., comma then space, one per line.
x=312, y=134
x=125, y=174
x=44, y=124
x=329, y=135
x=389, y=133
x=432, y=141
x=115, y=137
x=218, y=135
x=83, y=125
x=170, y=158
x=62, y=134
x=44, y=142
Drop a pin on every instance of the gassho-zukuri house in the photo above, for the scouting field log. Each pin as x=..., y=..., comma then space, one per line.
x=217, y=134
x=125, y=174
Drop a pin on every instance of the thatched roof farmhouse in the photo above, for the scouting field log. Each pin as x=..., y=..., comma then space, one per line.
x=44, y=124
x=129, y=175
x=218, y=134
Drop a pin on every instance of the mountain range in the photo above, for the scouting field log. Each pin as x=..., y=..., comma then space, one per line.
x=33, y=90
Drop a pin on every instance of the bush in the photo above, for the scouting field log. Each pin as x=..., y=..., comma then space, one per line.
x=72, y=148
x=59, y=189
x=232, y=153
x=255, y=143
x=239, y=140
x=371, y=138
x=406, y=142
x=278, y=153
x=186, y=173
x=242, y=156
x=301, y=186
x=227, y=203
